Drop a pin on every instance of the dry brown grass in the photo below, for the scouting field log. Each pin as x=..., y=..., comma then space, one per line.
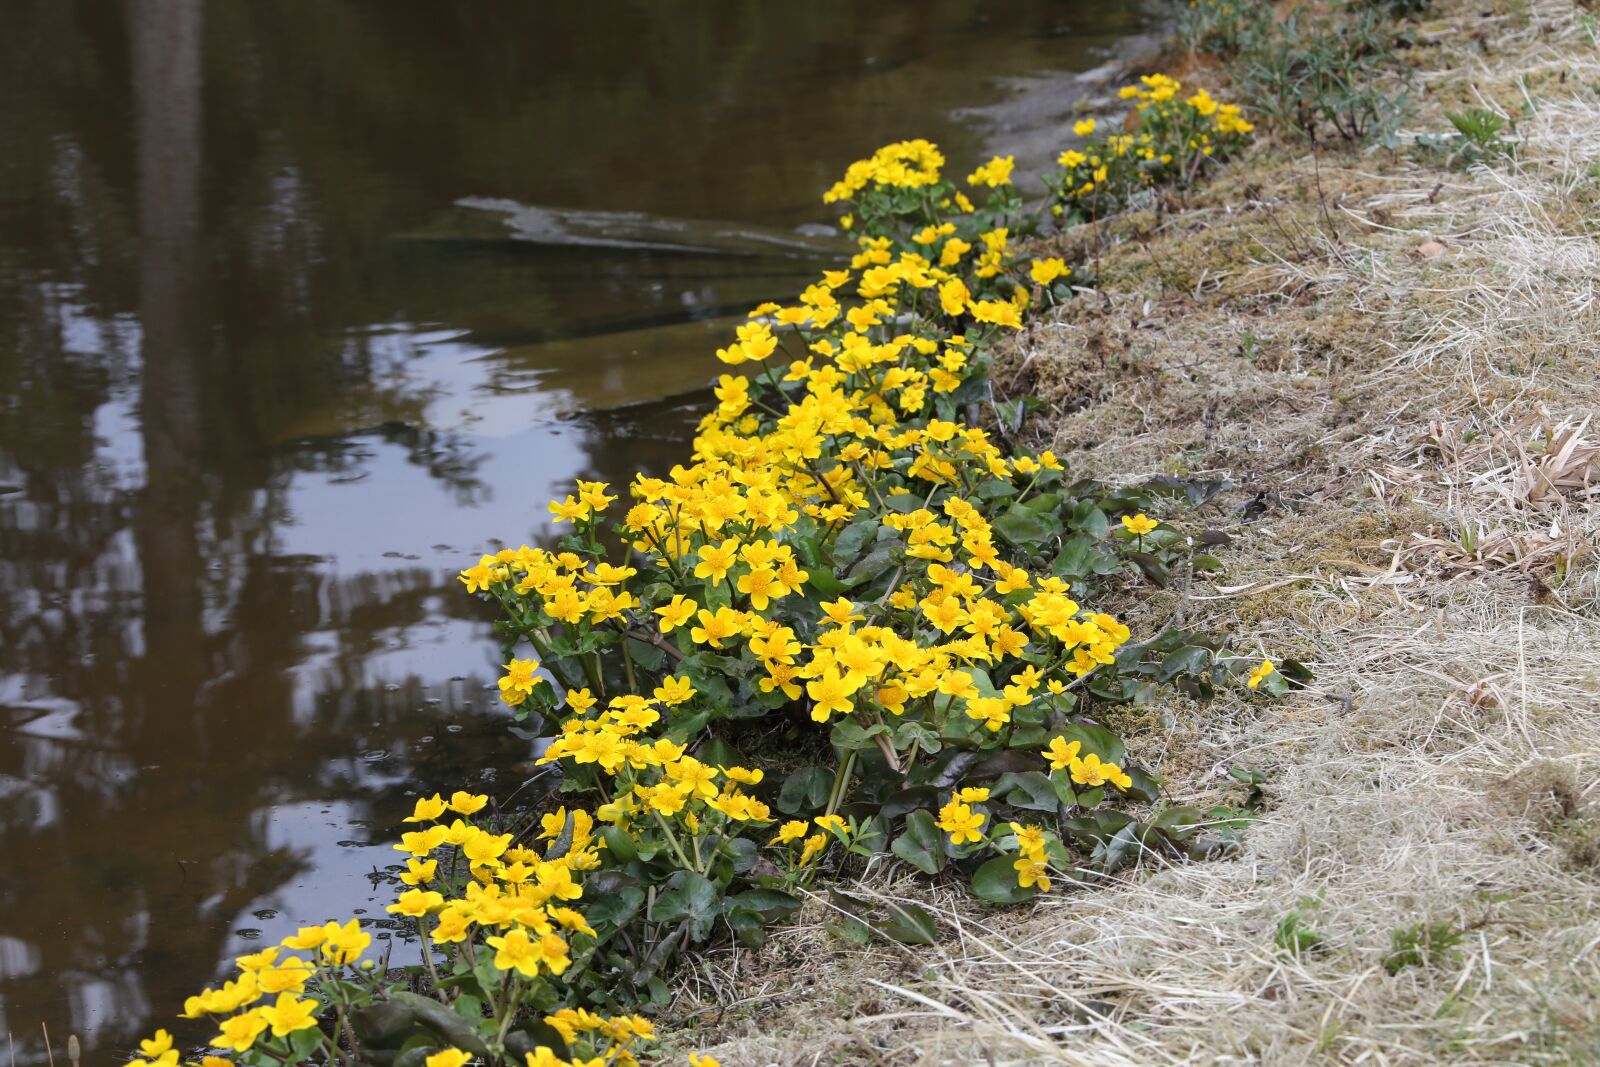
x=1397, y=368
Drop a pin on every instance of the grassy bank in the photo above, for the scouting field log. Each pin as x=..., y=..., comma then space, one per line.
x=1391, y=359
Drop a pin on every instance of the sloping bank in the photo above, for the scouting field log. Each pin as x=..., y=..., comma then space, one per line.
x=842, y=651
x=1389, y=353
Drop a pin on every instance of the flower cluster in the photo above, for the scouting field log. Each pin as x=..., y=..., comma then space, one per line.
x=505, y=917
x=1168, y=139
x=848, y=557
x=842, y=545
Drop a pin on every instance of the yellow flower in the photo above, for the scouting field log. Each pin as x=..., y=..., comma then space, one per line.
x=517, y=951
x=697, y=1060
x=830, y=692
x=954, y=297
x=518, y=683
x=1259, y=675
x=417, y=842
x=416, y=903
x=762, y=586
x=832, y=823
x=814, y=845
x=1045, y=271
x=290, y=976
x=466, y=803
x=1061, y=753
x=1139, y=524
x=998, y=312
x=289, y=1014
x=840, y=612
x=427, y=809
x=716, y=627
x=961, y=822
x=450, y=1057
x=674, y=690
x=154, y=1047
x=675, y=614
x=568, y=510
x=419, y=872
x=1091, y=772
x=716, y=560
x=994, y=173
x=1031, y=872
x=239, y=1032
x=1030, y=839
x=1083, y=127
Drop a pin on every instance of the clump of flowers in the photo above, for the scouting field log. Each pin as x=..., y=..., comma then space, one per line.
x=848, y=563
x=1169, y=139
x=501, y=927
x=846, y=552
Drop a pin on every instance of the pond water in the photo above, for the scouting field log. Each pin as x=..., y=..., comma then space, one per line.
x=302, y=306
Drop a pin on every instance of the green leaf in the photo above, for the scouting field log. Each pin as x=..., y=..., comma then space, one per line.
x=908, y=800
x=749, y=929
x=1145, y=788
x=922, y=844
x=853, y=538
x=1003, y=762
x=996, y=881
x=874, y=564
x=303, y=1042
x=452, y=1028
x=1097, y=739
x=613, y=911
x=850, y=734
x=1179, y=822
x=685, y=729
x=995, y=489
x=910, y=925
x=619, y=843
x=1295, y=672
x=1190, y=659
x=1029, y=789
x=717, y=753
x=805, y=790
x=563, y=842
x=742, y=852
x=770, y=904
x=1155, y=570
x=1090, y=520
x=646, y=655
x=689, y=898
x=1021, y=527
x=1073, y=559
x=822, y=580
x=1044, y=504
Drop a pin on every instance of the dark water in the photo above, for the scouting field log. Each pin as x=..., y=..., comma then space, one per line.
x=273, y=365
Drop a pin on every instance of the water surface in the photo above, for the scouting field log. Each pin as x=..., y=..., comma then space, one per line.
x=278, y=354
